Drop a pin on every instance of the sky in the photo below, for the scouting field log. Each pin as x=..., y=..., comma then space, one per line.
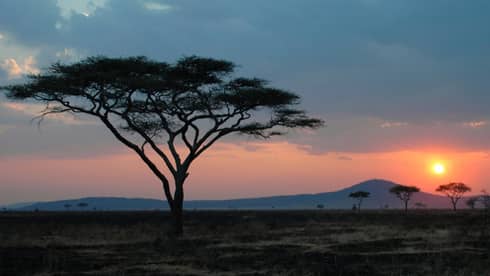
x=401, y=84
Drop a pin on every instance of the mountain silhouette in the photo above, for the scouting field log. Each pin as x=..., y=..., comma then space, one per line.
x=380, y=198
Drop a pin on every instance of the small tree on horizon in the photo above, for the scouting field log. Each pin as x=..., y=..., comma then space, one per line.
x=67, y=206
x=404, y=193
x=82, y=205
x=359, y=196
x=167, y=114
x=484, y=199
x=454, y=191
x=471, y=202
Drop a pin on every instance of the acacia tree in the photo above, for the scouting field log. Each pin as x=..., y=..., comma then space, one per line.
x=82, y=205
x=359, y=196
x=404, y=193
x=484, y=200
x=471, y=202
x=167, y=113
x=454, y=191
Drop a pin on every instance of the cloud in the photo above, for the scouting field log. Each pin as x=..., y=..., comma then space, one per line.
x=33, y=110
x=12, y=68
x=344, y=158
x=15, y=70
x=83, y=7
x=57, y=141
x=158, y=7
x=69, y=55
x=11, y=48
x=66, y=53
x=29, y=65
x=475, y=124
x=360, y=134
x=382, y=73
x=55, y=138
x=393, y=124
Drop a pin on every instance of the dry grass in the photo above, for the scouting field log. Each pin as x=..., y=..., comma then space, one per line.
x=245, y=243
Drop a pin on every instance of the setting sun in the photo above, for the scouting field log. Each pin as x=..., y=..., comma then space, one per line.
x=438, y=168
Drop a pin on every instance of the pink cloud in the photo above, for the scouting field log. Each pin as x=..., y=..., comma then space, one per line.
x=15, y=70
x=475, y=124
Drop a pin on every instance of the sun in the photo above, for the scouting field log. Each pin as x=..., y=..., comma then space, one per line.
x=438, y=168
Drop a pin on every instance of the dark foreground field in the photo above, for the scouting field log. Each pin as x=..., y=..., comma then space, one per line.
x=245, y=243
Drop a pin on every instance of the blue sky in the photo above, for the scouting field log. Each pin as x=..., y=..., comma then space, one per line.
x=386, y=75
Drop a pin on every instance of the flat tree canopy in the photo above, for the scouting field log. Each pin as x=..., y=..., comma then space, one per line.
x=454, y=191
x=404, y=193
x=175, y=111
x=359, y=195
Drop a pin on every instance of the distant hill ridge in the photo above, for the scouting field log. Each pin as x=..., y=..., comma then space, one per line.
x=380, y=198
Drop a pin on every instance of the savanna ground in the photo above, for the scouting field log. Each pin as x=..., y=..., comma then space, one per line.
x=322, y=242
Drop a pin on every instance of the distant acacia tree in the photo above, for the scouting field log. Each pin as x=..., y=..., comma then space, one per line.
x=471, y=202
x=484, y=199
x=359, y=196
x=454, y=191
x=82, y=205
x=404, y=193
x=67, y=206
x=168, y=114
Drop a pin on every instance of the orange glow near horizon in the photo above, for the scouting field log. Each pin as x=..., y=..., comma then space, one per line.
x=236, y=171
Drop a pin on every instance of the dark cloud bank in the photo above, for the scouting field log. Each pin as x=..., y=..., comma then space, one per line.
x=419, y=65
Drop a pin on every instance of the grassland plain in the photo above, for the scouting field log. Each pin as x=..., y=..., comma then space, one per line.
x=323, y=242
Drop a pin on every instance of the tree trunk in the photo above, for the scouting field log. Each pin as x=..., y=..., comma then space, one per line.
x=406, y=206
x=485, y=223
x=177, y=209
x=177, y=221
x=454, y=202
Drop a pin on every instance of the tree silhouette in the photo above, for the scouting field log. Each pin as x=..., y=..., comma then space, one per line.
x=359, y=196
x=82, y=205
x=67, y=206
x=471, y=202
x=175, y=111
x=454, y=191
x=484, y=199
x=404, y=193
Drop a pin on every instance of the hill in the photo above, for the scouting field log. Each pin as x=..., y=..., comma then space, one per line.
x=379, y=189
